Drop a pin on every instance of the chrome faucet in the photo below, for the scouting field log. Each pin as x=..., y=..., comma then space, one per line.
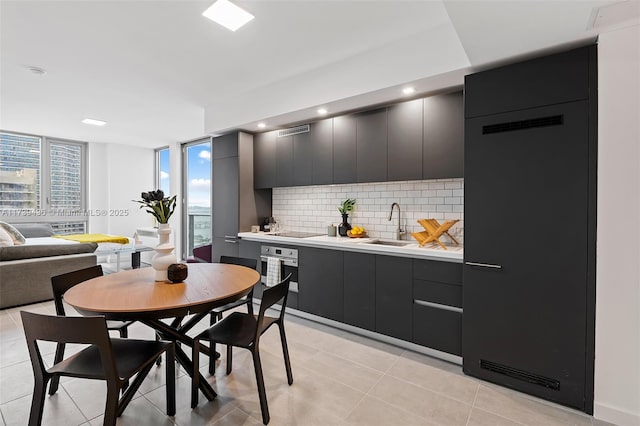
x=399, y=231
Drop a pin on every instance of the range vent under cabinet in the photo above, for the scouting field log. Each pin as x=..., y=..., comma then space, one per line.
x=554, y=120
x=293, y=131
x=520, y=374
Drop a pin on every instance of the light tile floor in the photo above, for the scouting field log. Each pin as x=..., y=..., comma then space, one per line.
x=339, y=379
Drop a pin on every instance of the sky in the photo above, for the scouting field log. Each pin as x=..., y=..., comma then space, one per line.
x=199, y=175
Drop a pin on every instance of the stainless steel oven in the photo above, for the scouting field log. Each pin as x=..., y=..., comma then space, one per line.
x=288, y=264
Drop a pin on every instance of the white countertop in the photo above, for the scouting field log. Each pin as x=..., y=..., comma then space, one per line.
x=412, y=249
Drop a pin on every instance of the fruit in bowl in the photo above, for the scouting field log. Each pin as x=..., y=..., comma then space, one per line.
x=357, y=232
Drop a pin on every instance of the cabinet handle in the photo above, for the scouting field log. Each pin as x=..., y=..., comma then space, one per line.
x=231, y=241
x=231, y=236
x=438, y=306
x=483, y=265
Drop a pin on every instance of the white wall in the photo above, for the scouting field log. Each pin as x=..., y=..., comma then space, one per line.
x=117, y=175
x=617, y=366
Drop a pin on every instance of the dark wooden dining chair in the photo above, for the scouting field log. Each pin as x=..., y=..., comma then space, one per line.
x=244, y=331
x=216, y=314
x=115, y=360
x=60, y=285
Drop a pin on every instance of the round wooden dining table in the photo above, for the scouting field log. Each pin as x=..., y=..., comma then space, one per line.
x=134, y=295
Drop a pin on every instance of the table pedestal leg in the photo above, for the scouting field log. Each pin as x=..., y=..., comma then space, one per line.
x=176, y=336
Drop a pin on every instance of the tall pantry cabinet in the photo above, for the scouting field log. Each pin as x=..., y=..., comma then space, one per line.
x=530, y=204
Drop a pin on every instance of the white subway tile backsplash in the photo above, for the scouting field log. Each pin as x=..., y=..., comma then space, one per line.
x=312, y=208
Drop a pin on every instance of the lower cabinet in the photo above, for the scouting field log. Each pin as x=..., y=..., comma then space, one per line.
x=437, y=305
x=437, y=328
x=394, y=297
x=321, y=282
x=250, y=250
x=437, y=316
x=415, y=300
x=224, y=247
x=360, y=290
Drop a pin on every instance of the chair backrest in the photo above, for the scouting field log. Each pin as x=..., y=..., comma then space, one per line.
x=62, y=283
x=242, y=261
x=61, y=329
x=270, y=296
x=202, y=253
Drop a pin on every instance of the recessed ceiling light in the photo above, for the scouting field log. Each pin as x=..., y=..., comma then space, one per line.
x=94, y=122
x=262, y=125
x=322, y=111
x=408, y=90
x=227, y=14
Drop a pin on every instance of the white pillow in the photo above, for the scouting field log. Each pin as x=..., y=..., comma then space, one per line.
x=5, y=238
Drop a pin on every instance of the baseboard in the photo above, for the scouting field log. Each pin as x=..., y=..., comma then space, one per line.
x=615, y=415
x=454, y=359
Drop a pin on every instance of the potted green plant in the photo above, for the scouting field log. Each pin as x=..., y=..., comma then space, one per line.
x=161, y=208
x=345, y=208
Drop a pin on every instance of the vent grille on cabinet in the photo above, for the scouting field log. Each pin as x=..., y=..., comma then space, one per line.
x=520, y=374
x=293, y=131
x=555, y=120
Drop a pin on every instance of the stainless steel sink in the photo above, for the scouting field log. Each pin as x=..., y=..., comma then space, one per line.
x=388, y=243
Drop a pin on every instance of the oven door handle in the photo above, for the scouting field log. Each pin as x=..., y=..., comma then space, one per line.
x=285, y=262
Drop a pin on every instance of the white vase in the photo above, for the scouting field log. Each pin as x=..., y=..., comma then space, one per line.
x=164, y=252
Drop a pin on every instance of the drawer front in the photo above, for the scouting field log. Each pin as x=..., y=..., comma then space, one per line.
x=432, y=270
x=437, y=329
x=443, y=294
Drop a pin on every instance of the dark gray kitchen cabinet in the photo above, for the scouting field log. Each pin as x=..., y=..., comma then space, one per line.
x=302, y=160
x=529, y=305
x=371, y=146
x=443, y=141
x=404, y=151
x=321, y=144
x=222, y=246
x=360, y=290
x=224, y=146
x=437, y=305
x=235, y=204
x=344, y=149
x=264, y=160
x=284, y=161
x=437, y=328
x=553, y=79
x=250, y=250
x=394, y=297
x=320, y=282
x=431, y=270
x=226, y=196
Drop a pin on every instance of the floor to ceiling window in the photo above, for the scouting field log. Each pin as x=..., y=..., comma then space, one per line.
x=43, y=180
x=163, y=177
x=196, y=179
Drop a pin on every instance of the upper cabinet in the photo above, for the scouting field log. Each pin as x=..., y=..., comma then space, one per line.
x=551, y=80
x=443, y=140
x=321, y=147
x=371, y=146
x=418, y=139
x=404, y=153
x=344, y=149
x=302, y=159
x=264, y=160
x=284, y=161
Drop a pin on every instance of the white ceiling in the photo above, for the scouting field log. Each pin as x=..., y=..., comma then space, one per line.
x=158, y=72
